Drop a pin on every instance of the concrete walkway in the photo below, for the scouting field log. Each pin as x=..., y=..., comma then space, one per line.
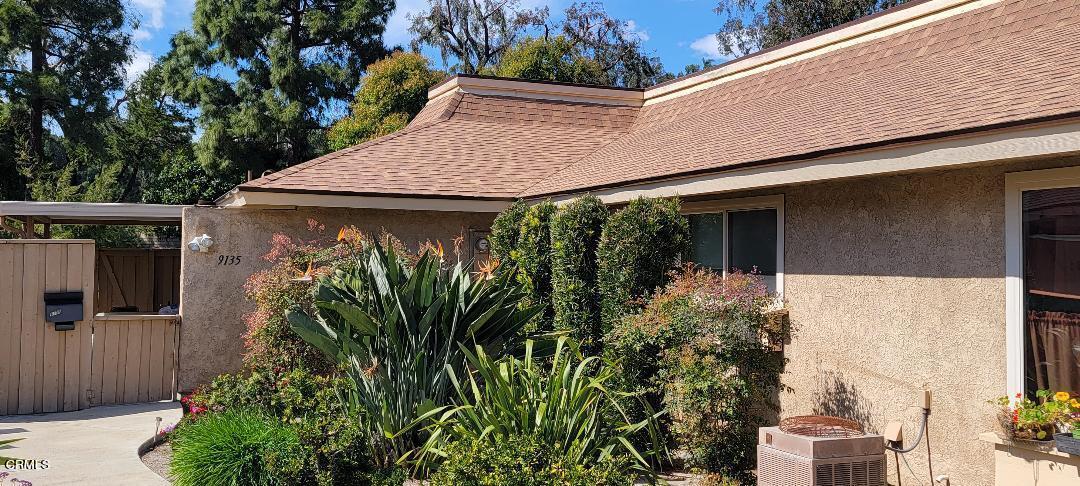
x=93, y=446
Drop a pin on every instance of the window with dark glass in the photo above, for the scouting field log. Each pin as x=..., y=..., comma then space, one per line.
x=747, y=242
x=1051, y=221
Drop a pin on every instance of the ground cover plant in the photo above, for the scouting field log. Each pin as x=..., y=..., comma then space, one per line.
x=525, y=461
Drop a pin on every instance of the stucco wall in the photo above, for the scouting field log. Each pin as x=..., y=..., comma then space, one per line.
x=212, y=296
x=895, y=284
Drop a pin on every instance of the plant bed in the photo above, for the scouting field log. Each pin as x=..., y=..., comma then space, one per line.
x=157, y=459
x=1065, y=442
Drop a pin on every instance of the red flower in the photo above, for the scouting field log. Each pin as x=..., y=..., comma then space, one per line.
x=1019, y=395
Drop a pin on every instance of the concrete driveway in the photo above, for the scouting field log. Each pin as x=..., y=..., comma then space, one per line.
x=93, y=446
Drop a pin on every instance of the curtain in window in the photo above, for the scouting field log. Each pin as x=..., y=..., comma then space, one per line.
x=1055, y=349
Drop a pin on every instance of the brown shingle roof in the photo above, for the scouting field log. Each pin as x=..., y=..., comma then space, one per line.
x=1014, y=60
x=1008, y=62
x=462, y=145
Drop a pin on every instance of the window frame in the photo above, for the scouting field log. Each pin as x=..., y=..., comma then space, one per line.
x=1016, y=183
x=726, y=206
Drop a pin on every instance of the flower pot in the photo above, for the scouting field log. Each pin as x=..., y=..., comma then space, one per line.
x=1032, y=434
x=1066, y=443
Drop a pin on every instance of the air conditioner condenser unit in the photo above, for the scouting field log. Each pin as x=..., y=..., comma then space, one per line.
x=786, y=459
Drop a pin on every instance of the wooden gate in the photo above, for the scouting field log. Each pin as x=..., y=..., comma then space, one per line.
x=41, y=369
x=134, y=358
x=107, y=359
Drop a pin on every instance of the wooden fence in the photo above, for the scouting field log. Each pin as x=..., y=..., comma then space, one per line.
x=106, y=359
x=41, y=369
x=144, y=279
x=134, y=358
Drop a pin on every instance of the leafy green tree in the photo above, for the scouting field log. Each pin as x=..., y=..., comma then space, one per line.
x=13, y=147
x=612, y=43
x=752, y=25
x=153, y=134
x=552, y=59
x=478, y=34
x=473, y=33
x=266, y=75
x=59, y=62
x=391, y=93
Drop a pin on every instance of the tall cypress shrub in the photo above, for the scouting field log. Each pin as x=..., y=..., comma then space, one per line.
x=533, y=256
x=641, y=244
x=575, y=236
x=505, y=232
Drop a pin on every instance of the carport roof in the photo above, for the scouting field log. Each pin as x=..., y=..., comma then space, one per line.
x=92, y=213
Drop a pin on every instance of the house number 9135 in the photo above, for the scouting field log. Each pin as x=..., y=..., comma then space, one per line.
x=228, y=259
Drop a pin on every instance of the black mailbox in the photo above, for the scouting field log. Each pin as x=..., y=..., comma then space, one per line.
x=63, y=309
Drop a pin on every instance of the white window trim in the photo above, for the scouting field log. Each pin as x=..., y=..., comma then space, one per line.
x=1015, y=185
x=726, y=206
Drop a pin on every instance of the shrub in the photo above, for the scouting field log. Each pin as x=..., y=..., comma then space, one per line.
x=639, y=247
x=269, y=342
x=575, y=235
x=525, y=461
x=234, y=448
x=533, y=255
x=505, y=231
x=701, y=349
x=569, y=407
x=335, y=444
x=396, y=329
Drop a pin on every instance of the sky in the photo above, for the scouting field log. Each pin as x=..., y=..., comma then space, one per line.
x=680, y=32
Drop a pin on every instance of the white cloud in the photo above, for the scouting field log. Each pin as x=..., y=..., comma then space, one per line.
x=708, y=47
x=153, y=12
x=141, y=34
x=139, y=63
x=641, y=34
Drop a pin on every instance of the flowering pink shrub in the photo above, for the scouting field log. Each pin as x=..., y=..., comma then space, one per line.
x=702, y=350
x=270, y=343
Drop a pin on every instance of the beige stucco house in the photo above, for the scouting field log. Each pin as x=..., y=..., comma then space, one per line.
x=910, y=184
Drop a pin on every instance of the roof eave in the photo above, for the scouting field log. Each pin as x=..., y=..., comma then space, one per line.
x=283, y=198
x=1050, y=136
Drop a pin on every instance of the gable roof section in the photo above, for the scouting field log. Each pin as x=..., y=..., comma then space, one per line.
x=925, y=70
x=462, y=145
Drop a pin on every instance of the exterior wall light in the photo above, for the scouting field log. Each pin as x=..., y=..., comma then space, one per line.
x=201, y=244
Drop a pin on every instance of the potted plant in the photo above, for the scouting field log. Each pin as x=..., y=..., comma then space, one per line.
x=1023, y=419
x=1068, y=440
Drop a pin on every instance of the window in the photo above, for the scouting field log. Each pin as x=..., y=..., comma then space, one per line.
x=1042, y=263
x=742, y=234
x=1051, y=227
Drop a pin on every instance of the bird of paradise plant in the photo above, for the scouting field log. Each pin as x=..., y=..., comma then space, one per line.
x=399, y=329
